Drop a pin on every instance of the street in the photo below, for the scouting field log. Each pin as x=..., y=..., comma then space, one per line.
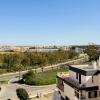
x=9, y=90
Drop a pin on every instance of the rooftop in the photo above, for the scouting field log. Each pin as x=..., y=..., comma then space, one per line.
x=86, y=67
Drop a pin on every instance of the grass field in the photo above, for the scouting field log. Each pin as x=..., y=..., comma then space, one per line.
x=47, y=77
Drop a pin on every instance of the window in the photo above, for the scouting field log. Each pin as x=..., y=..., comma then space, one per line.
x=92, y=94
x=67, y=98
x=76, y=94
x=99, y=93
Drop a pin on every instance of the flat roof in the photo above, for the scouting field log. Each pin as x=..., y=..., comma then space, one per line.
x=85, y=67
x=86, y=70
x=74, y=84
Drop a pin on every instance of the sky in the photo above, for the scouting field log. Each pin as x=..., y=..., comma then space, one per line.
x=49, y=22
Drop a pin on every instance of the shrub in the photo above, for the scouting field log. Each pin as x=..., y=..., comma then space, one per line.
x=22, y=94
x=28, y=78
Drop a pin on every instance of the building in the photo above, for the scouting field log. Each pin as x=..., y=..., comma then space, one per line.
x=41, y=50
x=79, y=50
x=20, y=49
x=82, y=82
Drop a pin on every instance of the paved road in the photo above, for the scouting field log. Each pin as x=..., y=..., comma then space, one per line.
x=9, y=90
x=52, y=96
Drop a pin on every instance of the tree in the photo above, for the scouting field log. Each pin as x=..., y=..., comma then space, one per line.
x=43, y=62
x=19, y=67
x=7, y=61
x=22, y=94
x=18, y=61
x=25, y=61
x=28, y=78
x=92, y=52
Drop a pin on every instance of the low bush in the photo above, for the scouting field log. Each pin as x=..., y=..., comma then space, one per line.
x=22, y=94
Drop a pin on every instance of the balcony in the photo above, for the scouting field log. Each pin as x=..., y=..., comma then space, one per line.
x=74, y=83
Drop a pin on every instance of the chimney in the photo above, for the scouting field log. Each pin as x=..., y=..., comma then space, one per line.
x=94, y=65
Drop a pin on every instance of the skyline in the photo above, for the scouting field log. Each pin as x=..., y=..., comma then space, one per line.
x=49, y=22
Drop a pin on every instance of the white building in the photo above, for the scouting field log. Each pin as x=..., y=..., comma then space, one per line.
x=41, y=50
x=79, y=50
x=82, y=83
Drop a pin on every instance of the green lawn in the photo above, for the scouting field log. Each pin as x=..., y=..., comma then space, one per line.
x=46, y=77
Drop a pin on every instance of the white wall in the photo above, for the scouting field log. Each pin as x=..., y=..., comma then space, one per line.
x=89, y=81
x=72, y=74
x=86, y=79
x=83, y=79
x=69, y=92
x=99, y=81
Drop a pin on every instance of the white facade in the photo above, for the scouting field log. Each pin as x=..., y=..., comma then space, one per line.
x=80, y=84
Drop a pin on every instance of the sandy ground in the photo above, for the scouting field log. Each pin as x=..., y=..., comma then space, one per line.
x=9, y=90
x=45, y=97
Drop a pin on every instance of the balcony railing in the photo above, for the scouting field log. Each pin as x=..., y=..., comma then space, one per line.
x=74, y=82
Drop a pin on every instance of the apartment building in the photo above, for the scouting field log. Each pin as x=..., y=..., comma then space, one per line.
x=81, y=83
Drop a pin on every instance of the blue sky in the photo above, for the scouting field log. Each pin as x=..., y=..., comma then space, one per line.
x=61, y=22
